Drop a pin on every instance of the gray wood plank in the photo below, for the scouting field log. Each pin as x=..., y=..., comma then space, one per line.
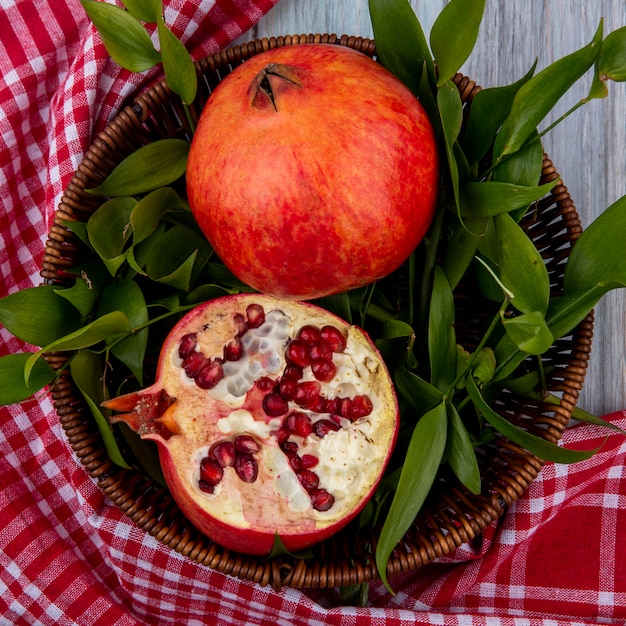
x=588, y=149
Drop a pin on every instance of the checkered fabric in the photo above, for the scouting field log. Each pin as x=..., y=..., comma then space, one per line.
x=67, y=556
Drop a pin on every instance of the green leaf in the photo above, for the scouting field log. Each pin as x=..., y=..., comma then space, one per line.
x=421, y=463
x=84, y=337
x=144, y=10
x=148, y=212
x=79, y=229
x=484, y=366
x=339, y=304
x=520, y=266
x=566, y=312
x=177, y=256
x=181, y=277
x=494, y=198
x=540, y=94
x=400, y=41
x=87, y=374
x=451, y=116
x=145, y=452
x=395, y=329
x=202, y=293
x=126, y=296
x=462, y=247
x=157, y=164
x=91, y=276
x=523, y=385
x=459, y=451
x=37, y=315
x=522, y=168
x=529, y=332
x=124, y=37
x=612, y=59
x=489, y=108
x=109, y=231
x=180, y=71
x=14, y=388
x=453, y=35
x=597, y=257
x=536, y=445
x=441, y=335
x=421, y=395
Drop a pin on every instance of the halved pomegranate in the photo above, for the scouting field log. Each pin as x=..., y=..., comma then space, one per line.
x=271, y=417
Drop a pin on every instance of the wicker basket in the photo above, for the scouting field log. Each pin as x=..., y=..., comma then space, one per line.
x=452, y=515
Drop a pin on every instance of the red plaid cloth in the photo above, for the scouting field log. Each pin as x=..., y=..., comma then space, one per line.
x=68, y=557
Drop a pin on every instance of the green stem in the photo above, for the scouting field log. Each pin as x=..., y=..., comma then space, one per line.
x=431, y=243
x=190, y=121
x=147, y=324
x=562, y=117
x=365, y=303
x=538, y=137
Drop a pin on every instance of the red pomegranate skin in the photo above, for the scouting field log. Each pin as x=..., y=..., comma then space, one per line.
x=303, y=474
x=326, y=184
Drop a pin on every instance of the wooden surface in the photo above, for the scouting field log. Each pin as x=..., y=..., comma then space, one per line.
x=588, y=149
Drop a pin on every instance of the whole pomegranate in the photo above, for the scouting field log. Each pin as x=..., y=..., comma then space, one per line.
x=312, y=171
x=271, y=417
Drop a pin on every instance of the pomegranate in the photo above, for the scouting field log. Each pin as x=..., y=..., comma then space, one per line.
x=312, y=171
x=255, y=436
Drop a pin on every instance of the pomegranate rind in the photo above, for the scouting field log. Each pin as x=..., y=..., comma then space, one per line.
x=331, y=191
x=246, y=517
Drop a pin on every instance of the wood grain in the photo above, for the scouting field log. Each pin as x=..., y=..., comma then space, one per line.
x=588, y=149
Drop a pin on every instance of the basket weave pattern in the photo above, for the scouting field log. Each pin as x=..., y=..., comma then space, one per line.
x=452, y=515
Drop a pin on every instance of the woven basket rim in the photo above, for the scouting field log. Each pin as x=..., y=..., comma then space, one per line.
x=452, y=516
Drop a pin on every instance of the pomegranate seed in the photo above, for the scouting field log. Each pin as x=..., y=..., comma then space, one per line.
x=246, y=467
x=255, y=315
x=322, y=427
x=334, y=338
x=331, y=405
x=319, y=406
x=309, y=461
x=294, y=461
x=282, y=435
x=240, y=324
x=297, y=353
x=293, y=372
x=265, y=383
x=298, y=423
x=210, y=471
x=345, y=405
x=290, y=447
x=233, y=350
x=187, y=345
x=307, y=394
x=210, y=375
x=321, y=500
x=287, y=388
x=193, y=364
x=274, y=405
x=309, y=334
x=246, y=443
x=224, y=453
x=324, y=370
x=360, y=407
x=320, y=350
x=309, y=480
x=205, y=487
